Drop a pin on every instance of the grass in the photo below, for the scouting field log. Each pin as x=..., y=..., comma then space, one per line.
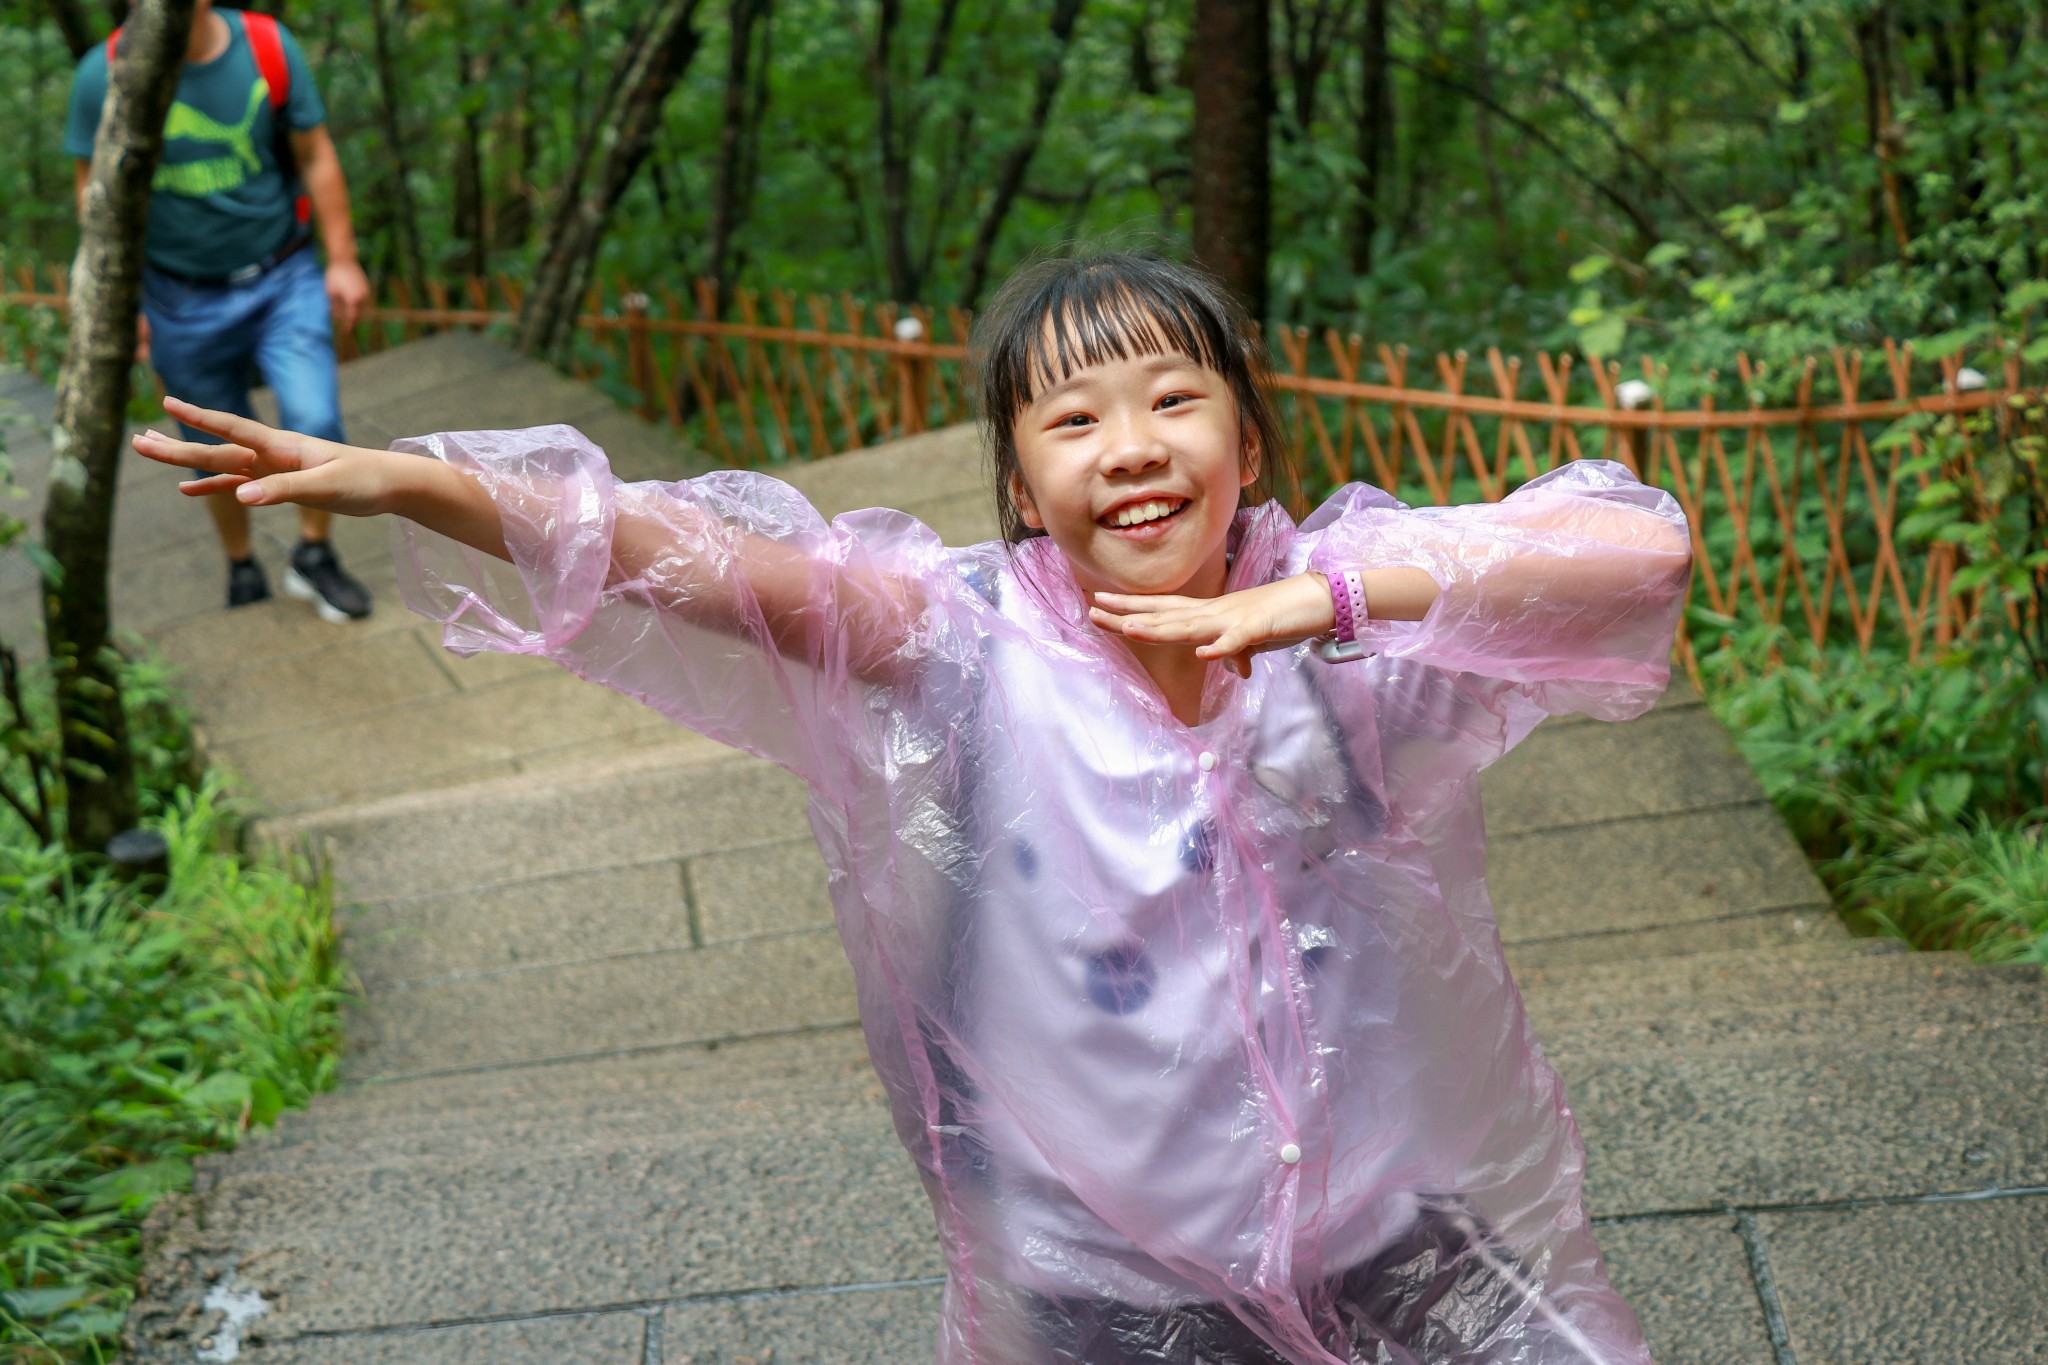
x=135, y=1036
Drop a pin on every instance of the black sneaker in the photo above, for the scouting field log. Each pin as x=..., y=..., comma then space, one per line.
x=246, y=583
x=316, y=576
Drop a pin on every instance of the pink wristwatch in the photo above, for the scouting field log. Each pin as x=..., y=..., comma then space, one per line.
x=1347, y=601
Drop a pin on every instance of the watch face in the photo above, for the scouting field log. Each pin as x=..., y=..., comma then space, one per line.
x=1342, y=651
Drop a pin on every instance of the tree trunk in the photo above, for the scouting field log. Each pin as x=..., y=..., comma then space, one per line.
x=399, y=169
x=76, y=25
x=1312, y=28
x=92, y=407
x=1482, y=128
x=1375, y=134
x=1873, y=50
x=624, y=127
x=1066, y=14
x=473, y=69
x=739, y=135
x=1233, y=80
x=891, y=144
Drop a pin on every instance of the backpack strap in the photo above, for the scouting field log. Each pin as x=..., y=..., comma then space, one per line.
x=112, y=39
x=268, y=49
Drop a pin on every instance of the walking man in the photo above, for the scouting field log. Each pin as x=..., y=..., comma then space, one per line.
x=229, y=289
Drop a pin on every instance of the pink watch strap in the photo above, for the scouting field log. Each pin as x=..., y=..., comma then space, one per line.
x=1347, y=599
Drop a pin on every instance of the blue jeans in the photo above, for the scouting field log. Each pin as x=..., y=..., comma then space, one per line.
x=208, y=341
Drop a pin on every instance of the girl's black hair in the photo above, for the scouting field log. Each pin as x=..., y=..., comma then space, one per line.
x=1063, y=313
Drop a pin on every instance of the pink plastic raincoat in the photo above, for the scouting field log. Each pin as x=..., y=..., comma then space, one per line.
x=1201, y=1038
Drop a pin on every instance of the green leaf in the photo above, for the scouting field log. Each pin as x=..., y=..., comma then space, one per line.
x=45, y=563
x=132, y=1189
x=222, y=1092
x=1666, y=254
x=266, y=1101
x=2036, y=351
x=1604, y=338
x=1947, y=793
x=1589, y=269
x=1943, y=344
x=2025, y=295
x=45, y=1302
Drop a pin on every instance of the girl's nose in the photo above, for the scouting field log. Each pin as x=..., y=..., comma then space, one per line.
x=1132, y=449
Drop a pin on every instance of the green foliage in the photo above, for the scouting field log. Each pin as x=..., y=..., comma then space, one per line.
x=1721, y=158
x=134, y=1036
x=1920, y=788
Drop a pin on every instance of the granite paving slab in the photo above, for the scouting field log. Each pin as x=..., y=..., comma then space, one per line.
x=1623, y=875
x=1688, y=1280
x=1918, y=1282
x=661, y=998
x=570, y=1339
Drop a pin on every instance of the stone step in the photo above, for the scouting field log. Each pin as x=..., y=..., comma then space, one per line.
x=1884, y=990
x=1838, y=974
x=583, y=819
x=737, y=1188
x=1916, y=1096
x=669, y=998
x=562, y=1164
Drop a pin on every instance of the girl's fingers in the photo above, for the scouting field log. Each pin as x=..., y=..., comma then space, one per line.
x=218, y=483
x=193, y=454
x=300, y=486
x=1127, y=603
x=241, y=431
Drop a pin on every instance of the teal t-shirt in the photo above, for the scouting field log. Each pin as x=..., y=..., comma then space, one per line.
x=220, y=201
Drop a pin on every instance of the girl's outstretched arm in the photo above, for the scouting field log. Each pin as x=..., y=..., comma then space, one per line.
x=684, y=558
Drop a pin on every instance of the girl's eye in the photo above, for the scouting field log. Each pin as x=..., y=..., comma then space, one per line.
x=1074, y=419
x=1173, y=400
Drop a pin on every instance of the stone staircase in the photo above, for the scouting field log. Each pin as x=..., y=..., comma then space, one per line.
x=606, y=1101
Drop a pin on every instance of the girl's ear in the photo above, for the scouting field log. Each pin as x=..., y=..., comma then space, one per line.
x=1026, y=508
x=1252, y=462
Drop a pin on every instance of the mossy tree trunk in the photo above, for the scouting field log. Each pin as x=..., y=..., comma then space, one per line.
x=92, y=409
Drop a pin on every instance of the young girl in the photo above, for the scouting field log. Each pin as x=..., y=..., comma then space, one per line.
x=1182, y=979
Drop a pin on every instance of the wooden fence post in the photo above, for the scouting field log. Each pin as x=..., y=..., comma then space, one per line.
x=640, y=354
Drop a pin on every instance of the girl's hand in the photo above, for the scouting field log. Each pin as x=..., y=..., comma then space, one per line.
x=264, y=465
x=1232, y=627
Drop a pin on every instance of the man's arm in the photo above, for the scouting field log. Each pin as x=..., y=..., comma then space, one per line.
x=348, y=289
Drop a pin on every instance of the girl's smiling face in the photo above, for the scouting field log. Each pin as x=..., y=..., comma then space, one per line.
x=1132, y=466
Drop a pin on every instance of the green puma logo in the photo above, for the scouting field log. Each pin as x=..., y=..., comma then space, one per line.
x=185, y=121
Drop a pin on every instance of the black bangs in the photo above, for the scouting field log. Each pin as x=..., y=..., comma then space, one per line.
x=1110, y=308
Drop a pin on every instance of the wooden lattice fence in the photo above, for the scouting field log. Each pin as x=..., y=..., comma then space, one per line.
x=1795, y=509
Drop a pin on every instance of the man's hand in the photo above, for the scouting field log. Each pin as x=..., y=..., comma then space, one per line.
x=1232, y=627
x=348, y=289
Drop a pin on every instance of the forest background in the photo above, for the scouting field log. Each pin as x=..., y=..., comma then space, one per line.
x=1682, y=177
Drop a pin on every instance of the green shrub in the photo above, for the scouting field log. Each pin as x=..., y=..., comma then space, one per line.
x=1916, y=786
x=135, y=1035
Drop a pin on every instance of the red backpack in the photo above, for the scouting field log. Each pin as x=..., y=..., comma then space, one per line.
x=268, y=48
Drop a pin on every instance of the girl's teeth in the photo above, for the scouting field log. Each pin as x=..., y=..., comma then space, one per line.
x=1143, y=512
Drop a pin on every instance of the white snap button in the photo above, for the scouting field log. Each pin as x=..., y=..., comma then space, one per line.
x=1208, y=761
x=1290, y=1154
